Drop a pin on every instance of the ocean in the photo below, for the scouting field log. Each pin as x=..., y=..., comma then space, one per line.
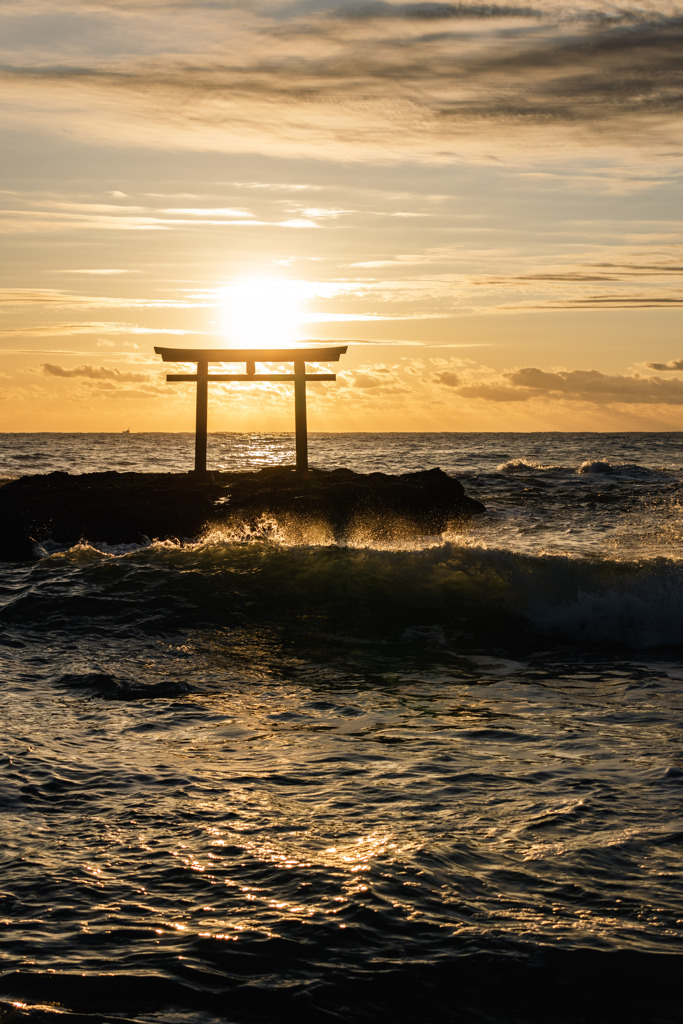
x=251, y=779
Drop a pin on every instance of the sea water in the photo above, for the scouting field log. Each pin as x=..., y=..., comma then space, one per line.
x=437, y=779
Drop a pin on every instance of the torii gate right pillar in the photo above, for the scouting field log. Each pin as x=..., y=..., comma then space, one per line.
x=300, y=416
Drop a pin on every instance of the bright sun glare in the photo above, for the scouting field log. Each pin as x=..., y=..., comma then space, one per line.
x=261, y=312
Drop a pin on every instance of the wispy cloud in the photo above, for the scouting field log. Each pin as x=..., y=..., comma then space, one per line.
x=44, y=215
x=642, y=278
x=94, y=373
x=356, y=80
x=95, y=271
x=602, y=301
x=92, y=327
x=62, y=299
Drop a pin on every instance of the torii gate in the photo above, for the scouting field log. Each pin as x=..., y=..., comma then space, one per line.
x=203, y=356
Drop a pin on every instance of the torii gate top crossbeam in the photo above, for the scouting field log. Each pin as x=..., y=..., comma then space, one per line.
x=323, y=354
x=299, y=356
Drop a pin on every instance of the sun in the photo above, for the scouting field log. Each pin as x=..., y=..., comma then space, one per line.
x=261, y=312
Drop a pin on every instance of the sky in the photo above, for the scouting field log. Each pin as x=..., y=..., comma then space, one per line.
x=482, y=200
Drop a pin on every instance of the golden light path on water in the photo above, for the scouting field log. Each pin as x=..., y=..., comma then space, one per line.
x=282, y=775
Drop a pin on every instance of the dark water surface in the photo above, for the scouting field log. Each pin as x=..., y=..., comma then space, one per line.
x=245, y=779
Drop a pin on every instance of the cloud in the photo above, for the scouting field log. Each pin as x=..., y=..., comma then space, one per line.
x=213, y=212
x=378, y=376
x=91, y=270
x=613, y=301
x=673, y=364
x=46, y=215
x=68, y=329
x=424, y=80
x=447, y=377
x=298, y=222
x=98, y=373
x=61, y=299
x=589, y=386
x=601, y=272
x=638, y=278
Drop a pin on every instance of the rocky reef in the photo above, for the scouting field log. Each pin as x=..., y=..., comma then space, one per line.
x=130, y=507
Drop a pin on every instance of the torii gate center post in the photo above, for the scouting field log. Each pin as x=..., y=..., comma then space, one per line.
x=251, y=356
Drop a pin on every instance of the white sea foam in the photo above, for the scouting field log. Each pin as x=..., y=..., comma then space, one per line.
x=580, y=599
x=527, y=466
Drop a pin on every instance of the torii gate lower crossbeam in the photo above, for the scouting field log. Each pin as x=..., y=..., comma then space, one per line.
x=299, y=357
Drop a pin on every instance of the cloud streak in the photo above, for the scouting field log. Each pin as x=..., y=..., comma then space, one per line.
x=98, y=327
x=96, y=373
x=380, y=79
x=61, y=299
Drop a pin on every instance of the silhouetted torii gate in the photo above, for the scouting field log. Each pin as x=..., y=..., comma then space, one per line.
x=203, y=356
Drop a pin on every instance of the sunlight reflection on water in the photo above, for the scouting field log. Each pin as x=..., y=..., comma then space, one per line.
x=270, y=778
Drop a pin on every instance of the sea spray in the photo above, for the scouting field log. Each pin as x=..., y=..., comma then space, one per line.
x=481, y=590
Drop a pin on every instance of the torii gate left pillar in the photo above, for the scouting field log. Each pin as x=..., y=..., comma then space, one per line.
x=299, y=357
x=202, y=419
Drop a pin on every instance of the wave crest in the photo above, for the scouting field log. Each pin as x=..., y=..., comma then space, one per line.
x=526, y=466
x=489, y=593
x=621, y=470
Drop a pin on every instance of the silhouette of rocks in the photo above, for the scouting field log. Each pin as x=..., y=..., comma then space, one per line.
x=130, y=507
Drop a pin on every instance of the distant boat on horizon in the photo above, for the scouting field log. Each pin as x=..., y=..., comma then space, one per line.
x=126, y=431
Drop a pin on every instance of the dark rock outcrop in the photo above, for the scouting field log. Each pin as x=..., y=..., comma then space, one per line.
x=128, y=507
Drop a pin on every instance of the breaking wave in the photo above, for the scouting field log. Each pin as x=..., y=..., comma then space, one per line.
x=624, y=471
x=513, y=466
x=482, y=592
x=621, y=470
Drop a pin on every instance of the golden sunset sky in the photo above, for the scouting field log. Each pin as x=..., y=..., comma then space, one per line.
x=483, y=199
